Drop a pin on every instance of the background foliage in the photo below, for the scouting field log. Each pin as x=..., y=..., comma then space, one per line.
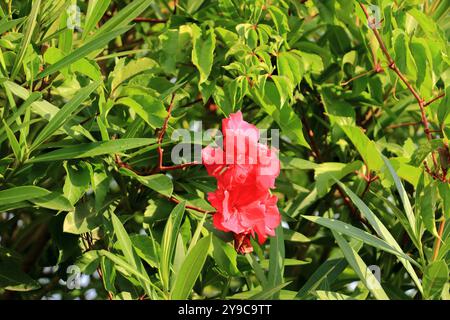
x=364, y=147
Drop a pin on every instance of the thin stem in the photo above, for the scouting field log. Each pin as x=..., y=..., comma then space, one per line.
x=175, y=200
x=426, y=104
x=149, y=20
x=161, y=167
x=437, y=245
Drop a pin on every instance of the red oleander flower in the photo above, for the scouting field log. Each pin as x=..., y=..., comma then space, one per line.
x=245, y=171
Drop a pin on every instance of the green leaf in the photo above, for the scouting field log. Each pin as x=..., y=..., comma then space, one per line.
x=444, y=192
x=225, y=257
x=434, y=279
x=28, y=33
x=403, y=196
x=427, y=206
x=127, y=249
x=151, y=110
x=78, y=178
x=289, y=64
x=81, y=220
x=203, y=47
x=69, y=110
x=82, y=52
x=403, y=58
x=121, y=19
x=95, y=11
x=168, y=242
x=193, y=5
x=158, y=182
x=123, y=72
x=13, y=142
x=23, y=193
x=88, y=150
x=276, y=259
x=366, y=147
x=328, y=295
x=13, y=279
x=280, y=20
x=355, y=233
x=143, y=277
x=54, y=201
x=381, y=230
x=294, y=236
x=108, y=274
x=6, y=25
x=147, y=249
x=268, y=293
x=321, y=274
x=361, y=268
x=19, y=111
x=190, y=270
x=269, y=99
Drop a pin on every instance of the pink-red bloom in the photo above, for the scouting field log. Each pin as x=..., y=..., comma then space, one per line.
x=245, y=171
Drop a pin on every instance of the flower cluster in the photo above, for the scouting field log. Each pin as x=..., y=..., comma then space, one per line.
x=245, y=171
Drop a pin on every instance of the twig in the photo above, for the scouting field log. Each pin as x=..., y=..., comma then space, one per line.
x=175, y=200
x=90, y=244
x=437, y=245
x=161, y=167
x=426, y=104
x=357, y=77
x=149, y=20
x=405, y=124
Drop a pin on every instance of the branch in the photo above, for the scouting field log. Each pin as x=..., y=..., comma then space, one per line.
x=394, y=68
x=149, y=20
x=161, y=167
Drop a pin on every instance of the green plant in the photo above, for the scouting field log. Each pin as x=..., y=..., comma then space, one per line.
x=92, y=91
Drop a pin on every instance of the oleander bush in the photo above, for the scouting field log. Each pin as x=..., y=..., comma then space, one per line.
x=94, y=95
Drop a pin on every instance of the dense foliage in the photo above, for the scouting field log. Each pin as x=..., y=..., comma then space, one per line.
x=93, y=206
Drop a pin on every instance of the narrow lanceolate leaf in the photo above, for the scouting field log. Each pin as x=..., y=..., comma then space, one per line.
x=403, y=195
x=335, y=265
x=28, y=33
x=142, y=277
x=359, y=234
x=6, y=25
x=328, y=295
x=22, y=193
x=268, y=293
x=19, y=111
x=82, y=52
x=13, y=141
x=127, y=249
x=87, y=150
x=435, y=279
x=67, y=111
x=39, y=196
x=96, y=10
x=122, y=18
x=168, y=242
x=190, y=269
x=381, y=230
x=276, y=259
x=361, y=269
